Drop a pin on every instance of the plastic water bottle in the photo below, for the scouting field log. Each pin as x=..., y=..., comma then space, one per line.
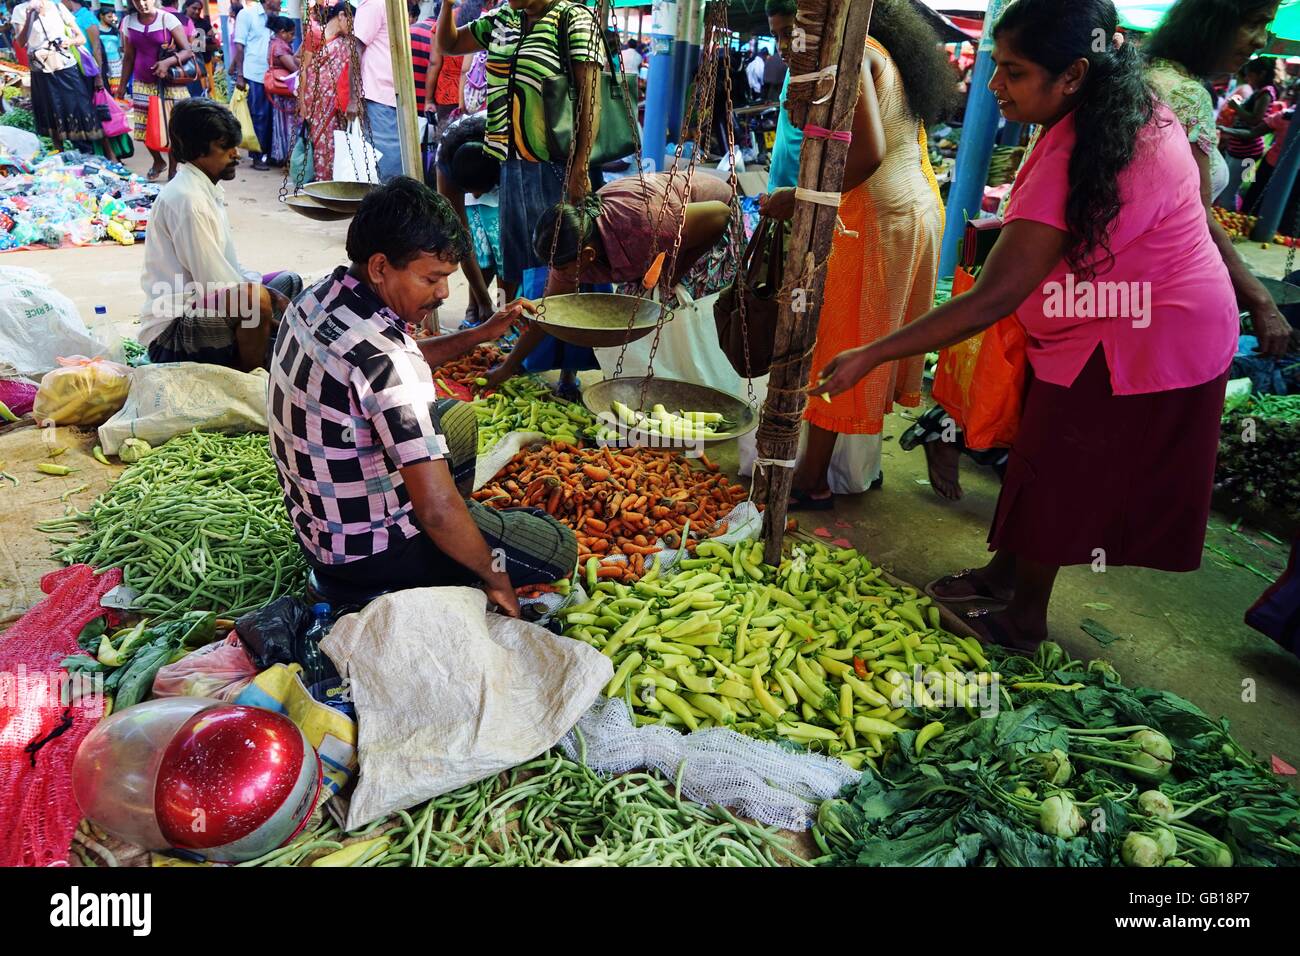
x=316, y=667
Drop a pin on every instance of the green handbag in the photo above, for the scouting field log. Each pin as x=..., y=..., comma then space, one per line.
x=619, y=134
x=302, y=161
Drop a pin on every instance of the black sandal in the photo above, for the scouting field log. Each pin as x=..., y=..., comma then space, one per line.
x=981, y=595
x=803, y=501
x=986, y=622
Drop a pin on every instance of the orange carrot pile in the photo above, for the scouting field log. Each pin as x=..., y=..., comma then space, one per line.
x=618, y=501
x=464, y=370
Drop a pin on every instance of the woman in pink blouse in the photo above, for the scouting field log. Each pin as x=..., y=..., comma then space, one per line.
x=1107, y=259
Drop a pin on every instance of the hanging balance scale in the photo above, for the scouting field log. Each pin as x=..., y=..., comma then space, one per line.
x=693, y=412
x=326, y=200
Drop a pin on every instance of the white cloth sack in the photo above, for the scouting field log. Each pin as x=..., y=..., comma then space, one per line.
x=447, y=695
x=173, y=398
x=855, y=463
x=355, y=160
x=688, y=349
x=490, y=463
x=38, y=324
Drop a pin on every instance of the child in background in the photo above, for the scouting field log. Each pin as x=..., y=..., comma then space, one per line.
x=111, y=41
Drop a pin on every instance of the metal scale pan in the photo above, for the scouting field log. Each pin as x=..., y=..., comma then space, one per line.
x=597, y=319
x=676, y=396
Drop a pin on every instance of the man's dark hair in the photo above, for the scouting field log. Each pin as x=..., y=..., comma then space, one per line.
x=462, y=157
x=403, y=218
x=781, y=8
x=198, y=123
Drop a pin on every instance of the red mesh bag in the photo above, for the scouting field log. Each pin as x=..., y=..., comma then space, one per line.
x=38, y=735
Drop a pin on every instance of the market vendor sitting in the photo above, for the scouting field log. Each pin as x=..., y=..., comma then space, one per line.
x=375, y=470
x=617, y=233
x=200, y=304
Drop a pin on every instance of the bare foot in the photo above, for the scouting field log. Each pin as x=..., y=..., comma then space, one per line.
x=155, y=171
x=944, y=460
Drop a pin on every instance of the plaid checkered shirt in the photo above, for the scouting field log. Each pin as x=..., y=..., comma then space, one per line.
x=348, y=406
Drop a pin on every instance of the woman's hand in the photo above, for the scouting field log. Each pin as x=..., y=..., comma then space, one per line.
x=778, y=204
x=1270, y=326
x=843, y=372
x=160, y=68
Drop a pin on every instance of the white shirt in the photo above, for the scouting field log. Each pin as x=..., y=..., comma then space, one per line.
x=252, y=34
x=754, y=73
x=631, y=60
x=190, y=248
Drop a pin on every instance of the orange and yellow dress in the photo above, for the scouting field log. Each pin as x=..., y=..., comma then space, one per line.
x=883, y=267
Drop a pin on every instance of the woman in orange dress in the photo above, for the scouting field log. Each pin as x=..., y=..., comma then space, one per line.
x=885, y=258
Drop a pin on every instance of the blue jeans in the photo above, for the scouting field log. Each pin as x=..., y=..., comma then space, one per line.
x=383, y=132
x=259, y=106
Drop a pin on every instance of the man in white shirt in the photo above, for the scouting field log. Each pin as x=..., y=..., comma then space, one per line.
x=632, y=58
x=249, y=65
x=754, y=74
x=200, y=304
x=370, y=27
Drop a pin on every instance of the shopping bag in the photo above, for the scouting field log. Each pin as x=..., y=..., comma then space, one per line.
x=155, y=127
x=981, y=382
x=302, y=161
x=239, y=106
x=116, y=124
x=355, y=160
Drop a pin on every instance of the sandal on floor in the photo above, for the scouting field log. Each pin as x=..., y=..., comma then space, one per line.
x=987, y=622
x=966, y=574
x=803, y=501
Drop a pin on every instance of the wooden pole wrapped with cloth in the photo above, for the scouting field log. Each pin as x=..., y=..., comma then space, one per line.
x=825, y=82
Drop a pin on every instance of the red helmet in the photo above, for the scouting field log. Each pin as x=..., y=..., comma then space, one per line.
x=225, y=781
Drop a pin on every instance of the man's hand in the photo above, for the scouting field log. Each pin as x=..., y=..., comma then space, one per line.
x=241, y=83
x=516, y=313
x=778, y=204
x=279, y=301
x=502, y=593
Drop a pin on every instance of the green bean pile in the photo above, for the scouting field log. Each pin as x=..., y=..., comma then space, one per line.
x=553, y=812
x=200, y=523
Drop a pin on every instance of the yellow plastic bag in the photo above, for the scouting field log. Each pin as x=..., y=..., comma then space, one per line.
x=239, y=106
x=331, y=732
x=82, y=391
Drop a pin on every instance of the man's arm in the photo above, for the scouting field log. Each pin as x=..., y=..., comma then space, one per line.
x=442, y=513
x=440, y=349
x=431, y=77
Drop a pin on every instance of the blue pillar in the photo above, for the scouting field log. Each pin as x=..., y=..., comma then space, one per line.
x=978, y=133
x=1010, y=134
x=686, y=61
x=1279, y=187
x=225, y=38
x=659, y=87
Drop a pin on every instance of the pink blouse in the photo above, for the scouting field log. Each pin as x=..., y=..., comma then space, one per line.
x=1164, y=312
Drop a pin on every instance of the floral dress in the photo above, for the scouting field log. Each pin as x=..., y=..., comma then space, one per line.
x=1189, y=100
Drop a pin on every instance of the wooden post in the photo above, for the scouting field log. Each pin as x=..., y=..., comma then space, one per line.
x=821, y=168
x=408, y=129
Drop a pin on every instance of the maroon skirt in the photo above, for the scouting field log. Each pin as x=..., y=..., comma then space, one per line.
x=1122, y=479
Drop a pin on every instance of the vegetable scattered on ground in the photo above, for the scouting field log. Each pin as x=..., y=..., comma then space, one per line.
x=619, y=503
x=548, y=812
x=823, y=653
x=197, y=523
x=1075, y=769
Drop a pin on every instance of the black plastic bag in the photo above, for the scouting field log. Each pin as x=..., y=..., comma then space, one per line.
x=273, y=634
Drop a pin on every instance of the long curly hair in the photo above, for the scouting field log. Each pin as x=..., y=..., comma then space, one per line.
x=928, y=79
x=1116, y=103
x=1197, y=34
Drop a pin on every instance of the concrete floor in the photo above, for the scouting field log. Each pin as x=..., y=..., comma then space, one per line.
x=1178, y=632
